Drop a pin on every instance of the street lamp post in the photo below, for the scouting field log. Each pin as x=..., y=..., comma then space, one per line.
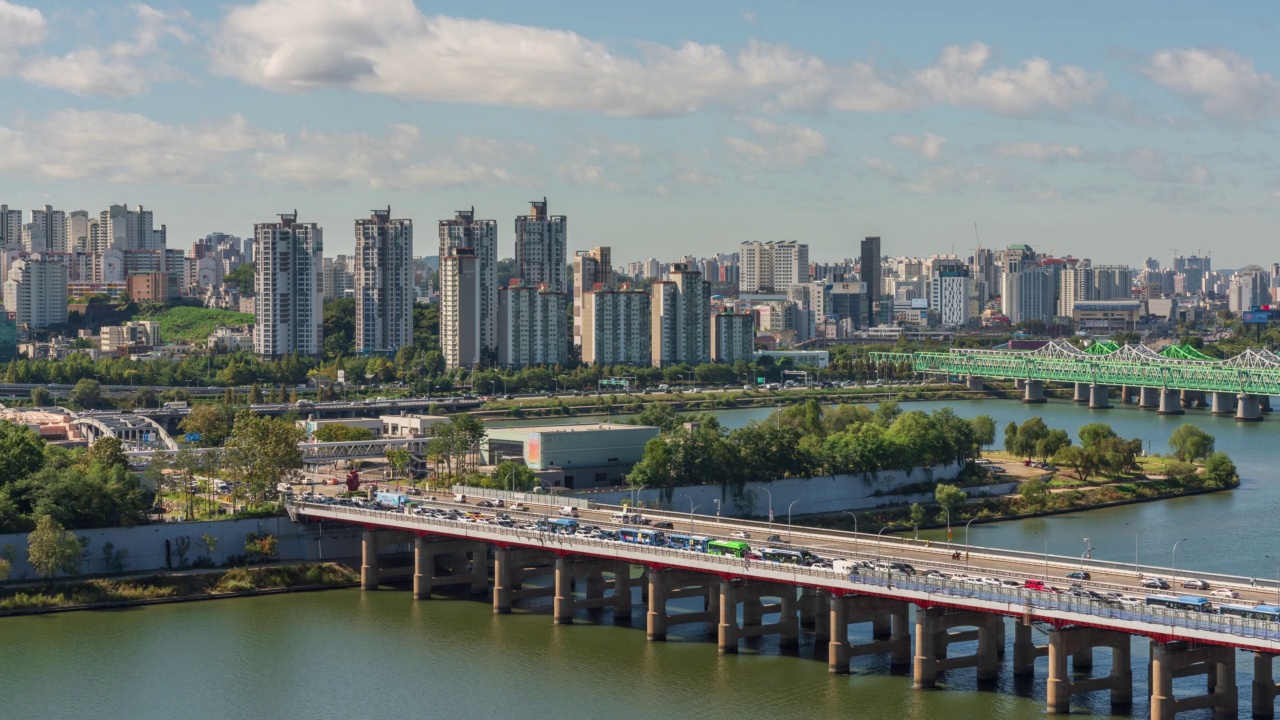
x=692, y=507
x=717, y=502
x=635, y=496
x=966, y=541
x=766, y=490
x=793, y=504
x=886, y=527
x=1174, y=561
x=855, y=530
x=1046, y=552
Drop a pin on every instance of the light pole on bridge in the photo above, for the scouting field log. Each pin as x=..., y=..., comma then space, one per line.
x=793, y=504
x=692, y=507
x=855, y=530
x=766, y=490
x=966, y=542
x=1174, y=561
x=886, y=527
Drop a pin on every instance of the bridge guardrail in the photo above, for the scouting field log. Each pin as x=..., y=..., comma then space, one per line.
x=1016, y=598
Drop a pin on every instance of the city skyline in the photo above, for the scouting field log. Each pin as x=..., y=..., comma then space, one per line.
x=723, y=123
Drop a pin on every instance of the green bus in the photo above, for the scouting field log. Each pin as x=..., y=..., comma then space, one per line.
x=733, y=548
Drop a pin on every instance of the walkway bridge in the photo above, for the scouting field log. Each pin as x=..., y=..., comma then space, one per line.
x=1174, y=378
x=131, y=429
x=961, y=599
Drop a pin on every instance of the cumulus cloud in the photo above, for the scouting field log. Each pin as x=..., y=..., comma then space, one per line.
x=390, y=47
x=1042, y=152
x=777, y=145
x=1223, y=84
x=927, y=146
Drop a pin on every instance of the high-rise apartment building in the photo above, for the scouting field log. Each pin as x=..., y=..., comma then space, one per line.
x=384, y=283
x=460, y=307
x=532, y=327
x=680, y=312
x=615, y=326
x=1194, y=269
x=465, y=231
x=339, y=277
x=124, y=229
x=869, y=274
x=10, y=226
x=1249, y=287
x=1075, y=285
x=288, y=298
x=1026, y=288
x=949, y=290
x=733, y=337
x=77, y=231
x=47, y=231
x=542, y=243
x=772, y=266
x=1112, y=282
x=36, y=291
x=590, y=268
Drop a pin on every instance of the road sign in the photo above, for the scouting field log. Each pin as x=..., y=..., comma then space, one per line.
x=191, y=437
x=342, y=376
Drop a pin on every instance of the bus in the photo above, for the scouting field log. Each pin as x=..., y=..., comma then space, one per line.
x=641, y=536
x=688, y=542
x=562, y=526
x=1259, y=612
x=731, y=548
x=791, y=557
x=1185, y=602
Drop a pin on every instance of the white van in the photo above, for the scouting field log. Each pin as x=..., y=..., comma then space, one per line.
x=624, y=517
x=569, y=511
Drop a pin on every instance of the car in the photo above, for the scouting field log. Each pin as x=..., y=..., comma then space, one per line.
x=1155, y=583
x=1195, y=584
x=740, y=535
x=990, y=581
x=1227, y=593
x=1129, y=600
x=1011, y=583
x=663, y=525
x=519, y=506
x=775, y=539
x=1079, y=575
x=937, y=575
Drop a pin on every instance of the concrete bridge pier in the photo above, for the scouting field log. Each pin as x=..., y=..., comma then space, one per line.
x=1078, y=644
x=974, y=383
x=512, y=566
x=668, y=585
x=1170, y=402
x=1181, y=659
x=934, y=634
x=1148, y=397
x=1224, y=403
x=890, y=630
x=751, y=596
x=369, y=566
x=1264, y=686
x=1126, y=393
x=1081, y=393
x=1194, y=398
x=1264, y=403
x=1034, y=392
x=587, y=575
x=1099, y=397
x=443, y=563
x=1247, y=408
x=815, y=613
x=1025, y=650
x=1019, y=384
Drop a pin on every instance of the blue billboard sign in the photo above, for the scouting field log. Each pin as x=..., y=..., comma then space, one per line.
x=1257, y=317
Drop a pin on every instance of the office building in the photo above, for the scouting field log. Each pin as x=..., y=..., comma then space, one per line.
x=772, y=266
x=460, y=308
x=680, y=322
x=615, y=326
x=733, y=337
x=481, y=236
x=532, y=326
x=950, y=288
x=869, y=274
x=542, y=247
x=36, y=291
x=384, y=283
x=591, y=268
x=288, y=299
x=1249, y=288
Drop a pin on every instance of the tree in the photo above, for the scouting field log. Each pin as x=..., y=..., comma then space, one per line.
x=917, y=517
x=211, y=422
x=1034, y=493
x=241, y=277
x=51, y=549
x=984, y=430
x=337, y=432
x=1190, y=443
x=950, y=497
x=513, y=475
x=87, y=393
x=21, y=452
x=1219, y=470
x=1092, y=435
x=108, y=452
x=1011, y=438
x=262, y=452
x=399, y=460
x=144, y=398
x=1050, y=444
x=1030, y=433
x=41, y=396
x=1078, y=459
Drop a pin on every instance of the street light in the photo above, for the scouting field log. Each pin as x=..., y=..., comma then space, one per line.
x=1045, y=535
x=691, y=509
x=1174, y=561
x=635, y=496
x=966, y=541
x=793, y=504
x=717, y=502
x=855, y=530
x=886, y=527
x=770, y=507
x=1088, y=553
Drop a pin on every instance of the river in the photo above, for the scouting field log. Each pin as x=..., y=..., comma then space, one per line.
x=347, y=654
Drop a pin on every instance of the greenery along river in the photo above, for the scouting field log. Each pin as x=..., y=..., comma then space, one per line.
x=347, y=654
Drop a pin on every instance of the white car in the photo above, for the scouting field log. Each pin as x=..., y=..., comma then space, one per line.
x=1227, y=593
x=740, y=534
x=1129, y=600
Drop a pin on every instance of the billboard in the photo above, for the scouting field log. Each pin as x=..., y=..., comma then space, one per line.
x=920, y=304
x=1257, y=317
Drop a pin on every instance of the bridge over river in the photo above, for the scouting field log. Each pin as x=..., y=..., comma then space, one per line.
x=955, y=596
x=1170, y=380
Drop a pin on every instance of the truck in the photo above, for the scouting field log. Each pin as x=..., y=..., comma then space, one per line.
x=392, y=499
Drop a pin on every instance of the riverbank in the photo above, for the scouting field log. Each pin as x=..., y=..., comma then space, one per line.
x=162, y=588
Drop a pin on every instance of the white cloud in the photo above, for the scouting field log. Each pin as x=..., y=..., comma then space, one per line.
x=1223, y=84
x=390, y=47
x=927, y=146
x=882, y=167
x=777, y=145
x=24, y=27
x=122, y=69
x=1042, y=152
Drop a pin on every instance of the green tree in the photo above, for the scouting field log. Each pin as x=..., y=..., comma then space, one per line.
x=513, y=475
x=887, y=412
x=21, y=452
x=1034, y=493
x=144, y=398
x=1050, y=444
x=984, y=430
x=87, y=393
x=1030, y=433
x=40, y=396
x=1011, y=438
x=337, y=432
x=51, y=549
x=108, y=452
x=1220, y=471
x=1092, y=435
x=398, y=458
x=950, y=497
x=917, y=517
x=262, y=452
x=241, y=277
x=1190, y=443
x=211, y=422
x=255, y=394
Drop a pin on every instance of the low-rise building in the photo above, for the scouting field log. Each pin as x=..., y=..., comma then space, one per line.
x=137, y=336
x=231, y=339
x=409, y=426
x=814, y=358
x=571, y=456
x=1103, y=317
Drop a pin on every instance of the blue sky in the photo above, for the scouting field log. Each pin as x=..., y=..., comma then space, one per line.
x=1112, y=131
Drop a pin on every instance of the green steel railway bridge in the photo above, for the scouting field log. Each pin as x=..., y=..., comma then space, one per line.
x=1170, y=380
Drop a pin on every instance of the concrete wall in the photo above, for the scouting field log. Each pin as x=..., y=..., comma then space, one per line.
x=804, y=496
x=146, y=543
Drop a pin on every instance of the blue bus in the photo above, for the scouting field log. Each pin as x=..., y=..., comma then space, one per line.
x=791, y=557
x=562, y=526
x=688, y=542
x=640, y=536
x=1185, y=602
x=1259, y=612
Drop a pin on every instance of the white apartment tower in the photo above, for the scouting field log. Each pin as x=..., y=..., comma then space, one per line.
x=36, y=291
x=124, y=229
x=733, y=337
x=532, y=328
x=77, y=231
x=590, y=268
x=1027, y=290
x=615, y=326
x=481, y=236
x=772, y=266
x=680, y=319
x=10, y=226
x=950, y=288
x=542, y=243
x=384, y=283
x=460, y=302
x=288, y=298
x=47, y=231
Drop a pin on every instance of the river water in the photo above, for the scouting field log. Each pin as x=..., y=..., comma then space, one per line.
x=347, y=654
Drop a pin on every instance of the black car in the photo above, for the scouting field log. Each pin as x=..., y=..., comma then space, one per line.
x=1079, y=575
